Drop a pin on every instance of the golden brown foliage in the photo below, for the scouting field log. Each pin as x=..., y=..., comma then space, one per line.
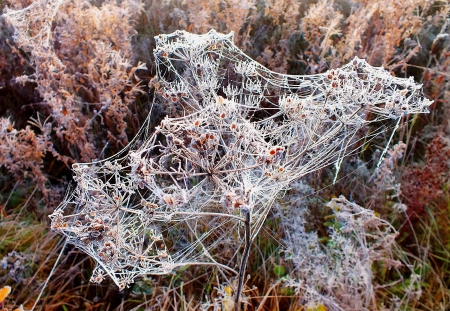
x=84, y=64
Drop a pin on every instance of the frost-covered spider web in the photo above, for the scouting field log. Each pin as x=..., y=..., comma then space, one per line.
x=236, y=136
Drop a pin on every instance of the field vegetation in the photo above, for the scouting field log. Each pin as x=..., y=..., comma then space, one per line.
x=78, y=80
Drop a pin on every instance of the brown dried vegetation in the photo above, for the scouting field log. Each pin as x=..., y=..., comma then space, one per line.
x=76, y=65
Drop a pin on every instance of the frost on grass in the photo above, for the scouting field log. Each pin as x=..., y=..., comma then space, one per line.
x=236, y=135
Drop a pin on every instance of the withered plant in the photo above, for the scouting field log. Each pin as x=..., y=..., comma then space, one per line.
x=231, y=164
x=238, y=135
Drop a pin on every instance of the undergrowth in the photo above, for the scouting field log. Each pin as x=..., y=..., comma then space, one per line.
x=74, y=88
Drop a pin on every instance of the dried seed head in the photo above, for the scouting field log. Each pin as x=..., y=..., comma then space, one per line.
x=238, y=203
x=171, y=167
x=163, y=254
x=98, y=279
x=168, y=199
x=150, y=205
x=220, y=100
x=110, y=245
x=97, y=226
x=86, y=240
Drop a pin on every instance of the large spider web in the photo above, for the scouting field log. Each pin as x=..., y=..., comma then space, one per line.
x=237, y=135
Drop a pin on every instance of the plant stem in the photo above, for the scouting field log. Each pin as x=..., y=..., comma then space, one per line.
x=248, y=243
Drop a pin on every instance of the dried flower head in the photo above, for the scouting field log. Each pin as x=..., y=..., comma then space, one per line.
x=223, y=159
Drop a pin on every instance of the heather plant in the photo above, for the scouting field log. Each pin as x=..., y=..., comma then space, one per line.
x=22, y=152
x=426, y=184
x=81, y=67
x=379, y=33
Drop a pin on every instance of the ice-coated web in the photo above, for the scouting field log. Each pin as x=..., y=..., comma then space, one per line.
x=34, y=22
x=237, y=135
